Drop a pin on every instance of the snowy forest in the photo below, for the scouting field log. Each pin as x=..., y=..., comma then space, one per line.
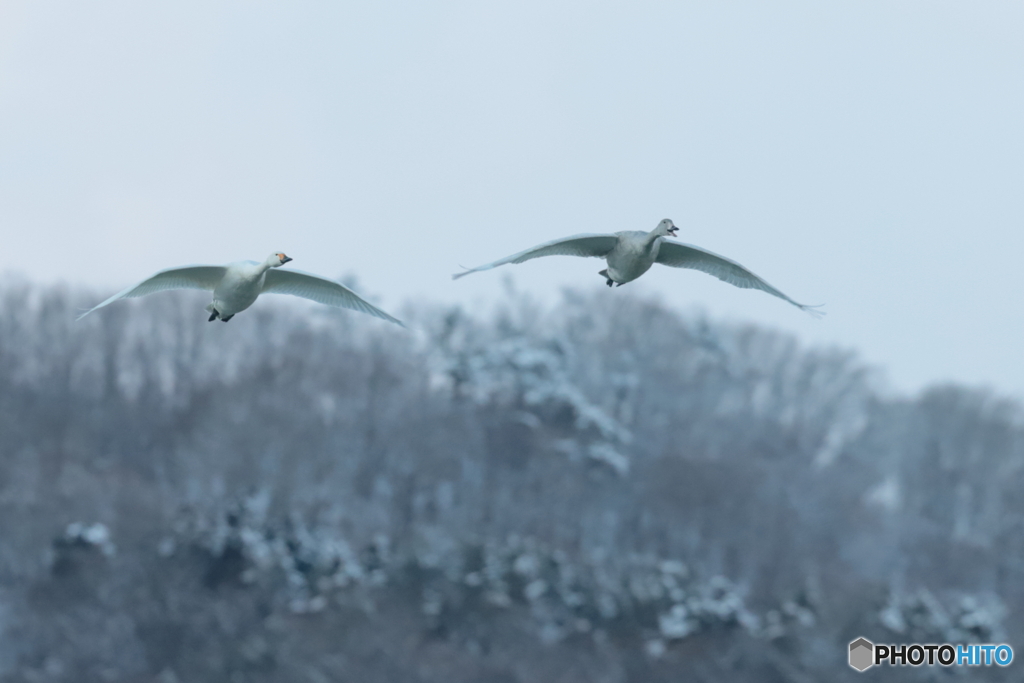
x=600, y=490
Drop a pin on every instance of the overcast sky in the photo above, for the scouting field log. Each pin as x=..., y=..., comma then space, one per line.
x=865, y=155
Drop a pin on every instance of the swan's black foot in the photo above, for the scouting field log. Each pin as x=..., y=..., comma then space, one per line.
x=618, y=284
x=609, y=283
x=224, y=320
x=213, y=316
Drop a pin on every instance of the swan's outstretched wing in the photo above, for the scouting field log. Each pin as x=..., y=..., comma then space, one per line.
x=577, y=245
x=679, y=255
x=321, y=290
x=185, y=277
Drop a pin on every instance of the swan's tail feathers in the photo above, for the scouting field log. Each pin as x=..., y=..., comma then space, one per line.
x=465, y=272
x=84, y=312
x=813, y=311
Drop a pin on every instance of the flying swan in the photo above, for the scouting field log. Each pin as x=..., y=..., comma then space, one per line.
x=631, y=253
x=236, y=287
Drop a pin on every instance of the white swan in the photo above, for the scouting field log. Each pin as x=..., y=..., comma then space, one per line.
x=631, y=253
x=236, y=286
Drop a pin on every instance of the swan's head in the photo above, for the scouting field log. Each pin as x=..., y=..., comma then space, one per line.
x=277, y=260
x=666, y=228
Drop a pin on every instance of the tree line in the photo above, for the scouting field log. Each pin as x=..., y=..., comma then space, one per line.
x=599, y=490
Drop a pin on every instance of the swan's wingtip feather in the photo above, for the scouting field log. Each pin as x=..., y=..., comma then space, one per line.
x=814, y=311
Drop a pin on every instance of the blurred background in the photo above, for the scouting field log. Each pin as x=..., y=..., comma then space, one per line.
x=542, y=479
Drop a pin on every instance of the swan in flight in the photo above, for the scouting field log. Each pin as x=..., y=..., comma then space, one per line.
x=236, y=286
x=631, y=253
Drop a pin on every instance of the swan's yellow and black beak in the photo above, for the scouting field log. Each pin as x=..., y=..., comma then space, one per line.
x=285, y=259
x=673, y=230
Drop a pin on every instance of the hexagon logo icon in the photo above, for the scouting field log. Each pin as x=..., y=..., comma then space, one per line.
x=862, y=654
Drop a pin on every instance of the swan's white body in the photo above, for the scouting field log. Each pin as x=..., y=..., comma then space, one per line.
x=633, y=255
x=236, y=287
x=630, y=254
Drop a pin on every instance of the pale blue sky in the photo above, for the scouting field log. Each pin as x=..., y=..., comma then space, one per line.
x=868, y=155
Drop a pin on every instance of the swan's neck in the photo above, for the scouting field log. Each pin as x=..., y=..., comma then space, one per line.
x=651, y=238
